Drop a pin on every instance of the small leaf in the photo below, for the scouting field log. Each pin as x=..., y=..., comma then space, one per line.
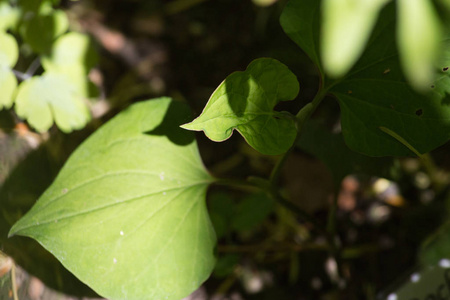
x=50, y=98
x=127, y=212
x=244, y=101
x=8, y=85
x=9, y=16
x=73, y=55
x=41, y=30
x=418, y=36
x=436, y=246
x=71, y=49
x=252, y=211
x=9, y=51
x=346, y=27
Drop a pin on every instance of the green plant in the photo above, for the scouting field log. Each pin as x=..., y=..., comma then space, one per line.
x=135, y=191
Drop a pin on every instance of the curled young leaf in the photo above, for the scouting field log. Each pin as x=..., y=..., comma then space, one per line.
x=244, y=101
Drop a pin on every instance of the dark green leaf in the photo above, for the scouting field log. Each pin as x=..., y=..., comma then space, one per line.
x=333, y=152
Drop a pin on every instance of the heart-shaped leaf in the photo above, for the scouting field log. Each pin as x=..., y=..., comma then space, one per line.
x=51, y=97
x=127, y=213
x=375, y=93
x=244, y=101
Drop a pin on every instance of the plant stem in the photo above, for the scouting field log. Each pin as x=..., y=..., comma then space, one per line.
x=20, y=75
x=13, y=281
x=302, y=116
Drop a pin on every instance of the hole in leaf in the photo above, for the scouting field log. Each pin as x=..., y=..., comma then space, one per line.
x=445, y=69
x=419, y=112
x=432, y=86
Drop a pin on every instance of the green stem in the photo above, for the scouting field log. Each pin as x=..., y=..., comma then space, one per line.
x=302, y=116
x=13, y=281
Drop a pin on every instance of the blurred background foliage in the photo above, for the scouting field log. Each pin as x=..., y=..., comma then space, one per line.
x=389, y=212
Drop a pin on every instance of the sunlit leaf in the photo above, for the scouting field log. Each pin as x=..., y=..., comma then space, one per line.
x=244, y=101
x=346, y=28
x=127, y=213
x=8, y=16
x=50, y=98
x=8, y=84
x=70, y=50
x=9, y=51
x=418, y=36
x=8, y=57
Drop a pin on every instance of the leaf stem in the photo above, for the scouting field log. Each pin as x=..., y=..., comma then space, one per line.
x=13, y=281
x=302, y=116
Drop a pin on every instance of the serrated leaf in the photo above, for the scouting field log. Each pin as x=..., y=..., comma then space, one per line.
x=50, y=98
x=73, y=56
x=127, y=212
x=244, y=101
x=69, y=50
x=375, y=94
x=41, y=30
x=345, y=30
x=418, y=36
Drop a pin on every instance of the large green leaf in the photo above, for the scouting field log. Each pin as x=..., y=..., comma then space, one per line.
x=127, y=212
x=51, y=97
x=9, y=52
x=244, y=101
x=346, y=28
x=375, y=94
